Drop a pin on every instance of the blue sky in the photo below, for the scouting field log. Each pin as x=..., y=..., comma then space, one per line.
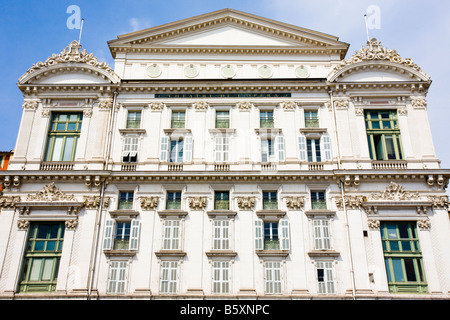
x=32, y=30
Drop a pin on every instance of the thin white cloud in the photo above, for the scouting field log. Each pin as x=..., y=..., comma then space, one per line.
x=139, y=24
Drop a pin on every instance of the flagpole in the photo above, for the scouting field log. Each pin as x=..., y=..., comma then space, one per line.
x=367, y=28
x=81, y=29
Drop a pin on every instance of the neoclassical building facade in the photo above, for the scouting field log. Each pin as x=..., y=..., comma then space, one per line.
x=225, y=156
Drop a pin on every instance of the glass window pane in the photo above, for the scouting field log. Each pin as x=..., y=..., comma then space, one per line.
x=57, y=148
x=35, y=269
x=409, y=268
x=47, y=271
x=67, y=156
x=390, y=149
x=398, y=270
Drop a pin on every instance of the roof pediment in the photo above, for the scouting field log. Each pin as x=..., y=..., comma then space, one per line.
x=230, y=29
x=71, y=61
x=375, y=62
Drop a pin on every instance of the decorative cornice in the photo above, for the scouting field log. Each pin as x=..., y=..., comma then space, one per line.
x=439, y=201
x=246, y=203
x=156, y=106
x=352, y=202
x=419, y=102
x=9, y=201
x=197, y=203
x=288, y=105
x=374, y=51
x=149, y=203
x=200, y=105
x=93, y=202
x=338, y=104
x=50, y=193
x=105, y=104
x=30, y=104
x=244, y=106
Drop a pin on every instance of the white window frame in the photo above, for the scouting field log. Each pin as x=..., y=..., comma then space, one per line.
x=221, y=234
x=221, y=276
x=327, y=285
x=117, y=276
x=273, y=277
x=171, y=236
x=169, y=277
x=110, y=233
x=283, y=234
x=221, y=148
x=130, y=148
x=322, y=234
x=324, y=148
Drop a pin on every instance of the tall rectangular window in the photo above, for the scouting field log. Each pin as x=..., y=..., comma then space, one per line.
x=383, y=135
x=221, y=200
x=221, y=277
x=318, y=201
x=171, y=235
x=272, y=277
x=266, y=119
x=403, y=257
x=311, y=119
x=222, y=119
x=222, y=149
x=42, y=256
x=130, y=149
x=322, y=240
x=117, y=276
x=325, y=277
x=176, y=151
x=126, y=200
x=313, y=149
x=270, y=200
x=178, y=119
x=271, y=238
x=63, y=136
x=221, y=234
x=173, y=201
x=133, y=119
x=169, y=277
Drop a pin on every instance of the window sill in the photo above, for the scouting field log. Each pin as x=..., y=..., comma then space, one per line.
x=272, y=253
x=170, y=253
x=221, y=253
x=132, y=131
x=120, y=253
x=323, y=253
x=172, y=213
x=222, y=131
x=221, y=213
x=320, y=212
x=260, y=131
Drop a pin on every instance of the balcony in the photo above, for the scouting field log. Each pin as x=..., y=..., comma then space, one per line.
x=389, y=165
x=128, y=167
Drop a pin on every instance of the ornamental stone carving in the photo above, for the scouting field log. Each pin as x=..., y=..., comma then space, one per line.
x=373, y=224
x=149, y=203
x=338, y=104
x=244, y=106
x=352, y=202
x=439, y=202
x=30, y=105
x=105, y=104
x=295, y=203
x=23, y=224
x=50, y=193
x=419, y=102
x=45, y=113
x=246, y=203
x=359, y=111
x=72, y=54
x=197, y=203
x=156, y=106
x=375, y=51
x=288, y=105
x=424, y=224
x=394, y=192
x=200, y=106
x=93, y=202
x=9, y=201
x=71, y=224
x=87, y=113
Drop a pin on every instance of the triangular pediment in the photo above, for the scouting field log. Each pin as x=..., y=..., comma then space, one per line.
x=230, y=29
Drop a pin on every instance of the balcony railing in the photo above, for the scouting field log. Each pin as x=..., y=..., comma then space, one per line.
x=222, y=167
x=56, y=166
x=129, y=167
x=175, y=167
x=389, y=165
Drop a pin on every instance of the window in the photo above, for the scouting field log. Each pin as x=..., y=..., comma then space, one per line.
x=383, y=135
x=221, y=277
x=176, y=150
x=42, y=256
x=270, y=200
x=64, y=133
x=315, y=150
x=178, y=119
x=126, y=200
x=272, y=235
x=318, y=201
x=117, y=276
x=272, y=277
x=266, y=119
x=222, y=149
x=222, y=119
x=173, y=201
x=403, y=257
x=322, y=240
x=134, y=119
x=121, y=235
x=171, y=235
x=130, y=149
x=221, y=200
x=169, y=277
x=311, y=119
x=221, y=234
x=272, y=149
x=325, y=277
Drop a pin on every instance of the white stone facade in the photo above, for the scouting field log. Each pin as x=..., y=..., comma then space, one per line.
x=281, y=196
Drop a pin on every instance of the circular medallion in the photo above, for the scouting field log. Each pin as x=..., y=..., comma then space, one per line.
x=265, y=71
x=228, y=71
x=191, y=71
x=154, y=71
x=302, y=72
